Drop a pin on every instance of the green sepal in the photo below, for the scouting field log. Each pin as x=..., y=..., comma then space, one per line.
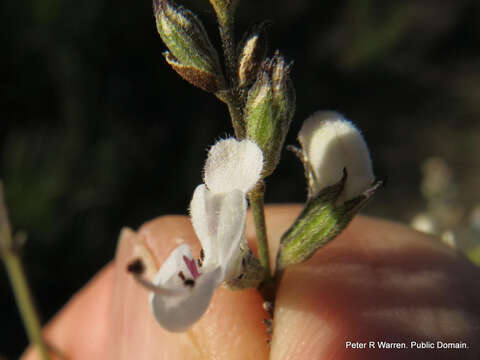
x=321, y=221
x=250, y=274
x=260, y=121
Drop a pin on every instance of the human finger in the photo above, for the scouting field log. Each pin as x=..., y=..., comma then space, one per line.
x=378, y=281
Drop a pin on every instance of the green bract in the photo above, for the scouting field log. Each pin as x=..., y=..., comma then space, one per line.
x=321, y=221
x=251, y=272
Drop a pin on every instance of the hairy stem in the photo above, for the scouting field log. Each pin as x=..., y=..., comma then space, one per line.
x=235, y=111
x=227, y=36
x=233, y=96
x=11, y=258
x=256, y=204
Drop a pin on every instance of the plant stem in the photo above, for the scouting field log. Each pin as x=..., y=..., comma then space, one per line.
x=11, y=258
x=227, y=35
x=233, y=98
x=256, y=204
x=24, y=302
x=237, y=118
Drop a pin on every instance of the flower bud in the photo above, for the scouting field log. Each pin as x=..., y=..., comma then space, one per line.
x=331, y=143
x=283, y=89
x=269, y=110
x=332, y=149
x=251, y=53
x=191, y=54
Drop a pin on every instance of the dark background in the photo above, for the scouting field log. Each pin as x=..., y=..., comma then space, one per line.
x=98, y=133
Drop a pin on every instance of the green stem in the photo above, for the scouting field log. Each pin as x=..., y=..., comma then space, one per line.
x=11, y=258
x=25, y=302
x=237, y=118
x=256, y=204
x=233, y=96
x=227, y=35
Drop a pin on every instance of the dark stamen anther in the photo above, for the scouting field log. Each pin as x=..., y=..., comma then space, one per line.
x=136, y=267
x=202, y=254
x=189, y=282
x=181, y=275
x=199, y=262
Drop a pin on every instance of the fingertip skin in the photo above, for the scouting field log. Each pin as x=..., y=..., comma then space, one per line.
x=378, y=281
x=233, y=327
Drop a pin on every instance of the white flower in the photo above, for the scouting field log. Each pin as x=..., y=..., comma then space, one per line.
x=331, y=143
x=183, y=285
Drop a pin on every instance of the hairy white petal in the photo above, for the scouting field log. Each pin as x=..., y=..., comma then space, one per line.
x=179, y=311
x=331, y=143
x=219, y=222
x=233, y=164
x=203, y=219
x=231, y=229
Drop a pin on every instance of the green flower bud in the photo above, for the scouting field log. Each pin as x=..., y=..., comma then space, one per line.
x=191, y=55
x=283, y=90
x=320, y=222
x=269, y=110
x=251, y=53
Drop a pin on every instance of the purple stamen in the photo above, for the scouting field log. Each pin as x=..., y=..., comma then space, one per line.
x=192, y=267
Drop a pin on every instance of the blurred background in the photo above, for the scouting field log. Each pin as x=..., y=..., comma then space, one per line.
x=97, y=132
